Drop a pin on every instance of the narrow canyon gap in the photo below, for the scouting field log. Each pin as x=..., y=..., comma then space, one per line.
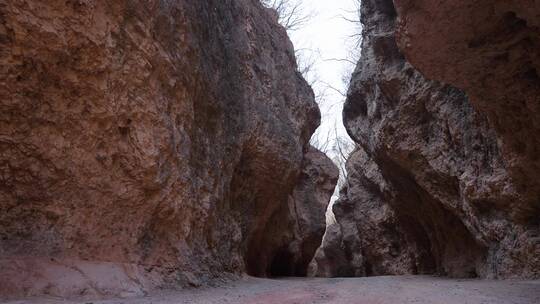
x=161, y=145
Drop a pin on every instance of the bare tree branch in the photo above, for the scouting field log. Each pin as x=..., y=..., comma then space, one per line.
x=292, y=14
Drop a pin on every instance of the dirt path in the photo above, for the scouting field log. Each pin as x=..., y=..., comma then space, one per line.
x=375, y=290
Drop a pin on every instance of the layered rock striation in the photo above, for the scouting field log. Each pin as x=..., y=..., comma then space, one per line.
x=151, y=144
x=444, y=179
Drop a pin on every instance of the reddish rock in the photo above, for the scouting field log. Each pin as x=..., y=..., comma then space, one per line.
x=310, y=201
x=331, y=260
x=490, y=50
x=146, y=144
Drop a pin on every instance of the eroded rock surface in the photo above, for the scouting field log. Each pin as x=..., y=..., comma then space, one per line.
x=490, y=49
x=308, y=206
x=444, y=180
x=148, y=144
x=330, y=259
x=368, y=239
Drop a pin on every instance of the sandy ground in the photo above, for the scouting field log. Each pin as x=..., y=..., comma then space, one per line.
x=374, y=290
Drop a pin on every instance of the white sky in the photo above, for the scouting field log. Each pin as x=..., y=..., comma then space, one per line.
x=327, y=36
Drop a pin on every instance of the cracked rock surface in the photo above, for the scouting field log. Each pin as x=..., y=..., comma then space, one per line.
x=150, y=144
x=444, y=108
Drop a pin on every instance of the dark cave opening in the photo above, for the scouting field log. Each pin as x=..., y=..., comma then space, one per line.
x=282, y=265
x=444, y=245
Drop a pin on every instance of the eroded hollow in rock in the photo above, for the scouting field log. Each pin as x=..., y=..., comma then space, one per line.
x=443, y=244
x=282, y=264
x=272, y=251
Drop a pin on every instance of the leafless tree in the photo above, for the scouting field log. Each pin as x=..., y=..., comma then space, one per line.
x=306, y=59
x=354, y=44
x=323, y=142
x=292, y=14
x=353, y=16
x=338, y=147
x=342, y=148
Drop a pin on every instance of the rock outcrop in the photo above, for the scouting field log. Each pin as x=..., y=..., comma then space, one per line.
x=367, y=240
x=490, y=50
x=445, y=179
x=330, y=259
x=150, y=144
x=308, y=206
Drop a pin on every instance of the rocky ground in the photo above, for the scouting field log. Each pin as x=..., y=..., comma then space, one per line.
x=380, y=290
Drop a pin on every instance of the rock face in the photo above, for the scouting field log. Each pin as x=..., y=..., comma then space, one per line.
x=308, y=205
x=491, y=51
x=150, y=144
x=445, y=178
x=330, y=259
x=367, y=240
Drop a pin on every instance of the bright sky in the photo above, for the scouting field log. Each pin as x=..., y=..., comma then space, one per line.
x=328, y=37
x=328, y=40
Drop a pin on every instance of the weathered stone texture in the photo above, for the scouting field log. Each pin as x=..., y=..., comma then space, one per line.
x=145, y=144
x=445, y=180
x=308, y=206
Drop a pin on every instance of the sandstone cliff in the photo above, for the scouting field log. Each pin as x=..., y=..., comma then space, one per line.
x=445, y=179
x=150, y=144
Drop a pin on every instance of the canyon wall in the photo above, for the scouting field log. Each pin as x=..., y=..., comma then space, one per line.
x=444, y=106
x=152, y=144
x=308, y=204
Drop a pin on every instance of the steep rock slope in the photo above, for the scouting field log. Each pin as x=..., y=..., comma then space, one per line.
x=489, y=49
x=367, y=240
x=146, y=144
x=308, y=205
x=435, y=186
